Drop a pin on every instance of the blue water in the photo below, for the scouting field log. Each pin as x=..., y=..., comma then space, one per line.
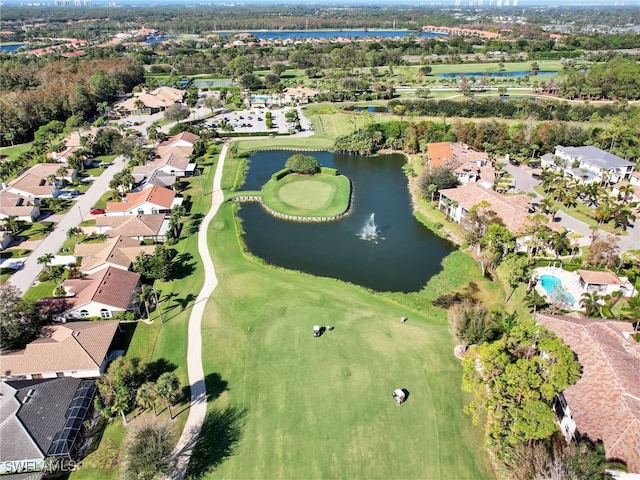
x=522, y=73
x=11, y=48
x=291, y=34
x=260, y=97
x=157, y=39
x=553, y=286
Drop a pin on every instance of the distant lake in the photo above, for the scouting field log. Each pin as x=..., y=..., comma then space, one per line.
x=292, y=34
x=11, y=48
x=157, y=39
x=521, y=73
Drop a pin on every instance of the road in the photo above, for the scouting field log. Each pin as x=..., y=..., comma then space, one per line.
x=525, y=182
x=25, y=277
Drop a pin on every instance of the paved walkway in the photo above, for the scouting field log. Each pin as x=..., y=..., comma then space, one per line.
x=25, y=277
x=198, y=410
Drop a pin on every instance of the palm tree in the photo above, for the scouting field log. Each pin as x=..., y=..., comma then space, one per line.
x=167, y=386
x=46, y=260
x=622, y=216
x=144, y=297
x=625, y=193
x=590, y=301
x=146, y=396
x=11, y=224
x=75, y=233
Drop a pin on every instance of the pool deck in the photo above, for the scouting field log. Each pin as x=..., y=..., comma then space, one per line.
x=570, y=282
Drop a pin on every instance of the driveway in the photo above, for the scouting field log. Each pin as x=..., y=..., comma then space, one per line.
x=24, y=278
x=525, y=182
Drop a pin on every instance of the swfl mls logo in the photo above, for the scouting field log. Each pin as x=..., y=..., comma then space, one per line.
x=49, y=465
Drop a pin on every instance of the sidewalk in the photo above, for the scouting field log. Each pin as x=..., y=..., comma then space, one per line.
x=198, y=409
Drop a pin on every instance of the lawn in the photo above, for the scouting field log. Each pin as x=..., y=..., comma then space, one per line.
x=12, y=152
x=163, y=341
x=283, y=404
x=321, y=195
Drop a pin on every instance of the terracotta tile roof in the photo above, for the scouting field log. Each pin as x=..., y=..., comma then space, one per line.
x=34, y=181
x=183, y=136
x=165, y=150
x=600, y=278
x=605, y=402
x=110, y=286
x=118, y=251
x=453, y=154
x=512, y=210
x=159, y=196
x=71, y=346
x=13, y=204
x=133, y=225
x=438, y=152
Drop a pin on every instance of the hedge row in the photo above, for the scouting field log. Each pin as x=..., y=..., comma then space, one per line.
x=280, y=174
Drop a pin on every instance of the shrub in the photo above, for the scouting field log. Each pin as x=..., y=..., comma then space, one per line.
x=329, y=171
x=280, y=174
x=299, y=163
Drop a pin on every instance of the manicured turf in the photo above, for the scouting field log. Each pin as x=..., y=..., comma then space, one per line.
x=284, y=404
x=321, y=195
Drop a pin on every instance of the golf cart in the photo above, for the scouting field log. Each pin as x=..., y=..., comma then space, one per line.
x=317, y=330
x=399, y=395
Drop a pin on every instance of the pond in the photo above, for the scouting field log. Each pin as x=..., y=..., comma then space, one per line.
x=380, y=245
x=11, y=47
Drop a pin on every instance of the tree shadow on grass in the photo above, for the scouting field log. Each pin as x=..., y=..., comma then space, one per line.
x=220, y=434
x=181, y=267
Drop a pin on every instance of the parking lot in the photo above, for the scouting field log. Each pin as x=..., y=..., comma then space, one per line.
x=251, y=120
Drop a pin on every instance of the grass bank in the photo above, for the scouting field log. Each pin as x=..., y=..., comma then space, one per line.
x=283, y=404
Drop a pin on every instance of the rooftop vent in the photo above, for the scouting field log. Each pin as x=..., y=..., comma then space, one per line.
x=28, y=396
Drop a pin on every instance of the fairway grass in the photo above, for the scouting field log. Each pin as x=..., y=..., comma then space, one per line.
x=320, y=195
x=286, y=405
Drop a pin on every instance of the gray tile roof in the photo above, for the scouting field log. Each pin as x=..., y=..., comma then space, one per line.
x=596, y=157
x=53, y=409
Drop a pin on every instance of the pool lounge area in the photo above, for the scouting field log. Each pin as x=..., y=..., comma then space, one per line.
x=560, y=285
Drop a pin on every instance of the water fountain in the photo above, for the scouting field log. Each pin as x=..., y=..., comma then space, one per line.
x=370, y=229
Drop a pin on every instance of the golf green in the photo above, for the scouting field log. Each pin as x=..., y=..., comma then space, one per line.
x=320, y=195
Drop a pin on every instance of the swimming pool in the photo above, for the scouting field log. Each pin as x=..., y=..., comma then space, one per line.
x=554, y=288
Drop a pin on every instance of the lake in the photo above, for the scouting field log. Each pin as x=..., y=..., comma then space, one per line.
x=11, y=47
x=403, y=257
x=293, y=34
x=522, y=73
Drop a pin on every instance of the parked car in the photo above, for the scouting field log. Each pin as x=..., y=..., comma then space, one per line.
x=68, y=194
x=96, y=211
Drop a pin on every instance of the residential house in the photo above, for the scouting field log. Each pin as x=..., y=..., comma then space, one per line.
x=296, y=95
x=183, y=139
x=72, y=144
x=117, y=251
x=41, y=181
x=464, y=161
x=42, y=419
x=588, y=164
x=76, y=349
x=513, y=210
x=138, y=227
x=151, y=200
x=605, y=283
x=104, y=293
x=172, y=163
x=19, y=206
x=604, y=405
x=5, y=240
x=151, y=101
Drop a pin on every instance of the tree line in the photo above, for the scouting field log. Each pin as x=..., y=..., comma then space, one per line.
x=34, y=96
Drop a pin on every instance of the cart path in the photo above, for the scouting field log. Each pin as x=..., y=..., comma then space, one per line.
x=198, y=408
